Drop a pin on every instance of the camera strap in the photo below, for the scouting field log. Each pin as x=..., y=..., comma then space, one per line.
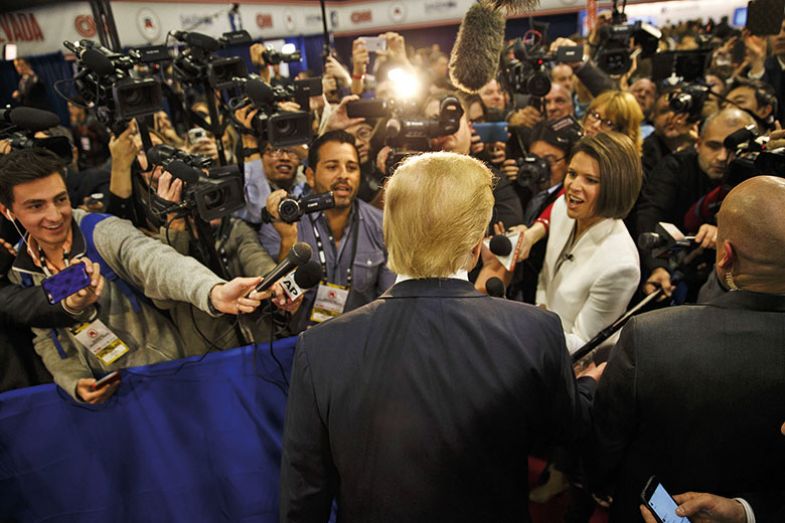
x=355, y=225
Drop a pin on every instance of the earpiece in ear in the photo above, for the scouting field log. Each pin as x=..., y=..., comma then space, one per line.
x=8, y=214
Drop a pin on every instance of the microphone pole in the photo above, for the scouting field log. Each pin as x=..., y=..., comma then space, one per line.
x=326, y=32
x=610, y=330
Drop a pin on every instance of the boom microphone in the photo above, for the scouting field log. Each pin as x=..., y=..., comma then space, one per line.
x=299, y=255
x=29, y=118
x=477, y=50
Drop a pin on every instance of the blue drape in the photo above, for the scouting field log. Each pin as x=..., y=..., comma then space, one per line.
x=187, y=441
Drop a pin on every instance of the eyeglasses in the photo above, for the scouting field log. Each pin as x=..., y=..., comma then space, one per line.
x=606, y=124
x=279, y=152
x=552, y=159
x=364, y=133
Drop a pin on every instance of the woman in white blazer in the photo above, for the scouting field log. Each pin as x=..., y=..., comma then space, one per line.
x=591, y=266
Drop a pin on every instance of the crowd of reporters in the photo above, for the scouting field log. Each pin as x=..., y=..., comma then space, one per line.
x=207, y=197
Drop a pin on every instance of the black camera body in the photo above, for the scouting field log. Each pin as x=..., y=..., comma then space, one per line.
x=533, y=173
x=751, y=157
x=272, y=125
x=215, y=195
x=104, y=80
x=525, y=74
x=613, y=52
x=689, y=100
x=291, y=210
x=273, y=57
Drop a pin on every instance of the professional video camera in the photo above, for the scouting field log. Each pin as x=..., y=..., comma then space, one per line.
x=105, y=81
x=405, y=132
x=197, y=61
x=212, y=196
x=291, y=209
x=751, y=156
x=19, y=125
x=271, y=125
x=613, y=50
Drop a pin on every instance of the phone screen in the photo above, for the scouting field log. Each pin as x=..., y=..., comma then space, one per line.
x=663, y=505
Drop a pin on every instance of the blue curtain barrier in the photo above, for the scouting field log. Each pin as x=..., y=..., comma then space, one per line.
x=189, y=440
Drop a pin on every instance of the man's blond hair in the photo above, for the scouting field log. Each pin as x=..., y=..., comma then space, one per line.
x=437, y=207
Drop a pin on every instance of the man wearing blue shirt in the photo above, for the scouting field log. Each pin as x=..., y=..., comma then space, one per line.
x=347, y=240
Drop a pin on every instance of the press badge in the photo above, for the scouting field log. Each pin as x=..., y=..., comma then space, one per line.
x=330, y=302
x=101, y=341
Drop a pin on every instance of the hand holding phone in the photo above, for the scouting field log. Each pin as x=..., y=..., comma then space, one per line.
x=112, y=377
x=88, y=295
x=661, y=505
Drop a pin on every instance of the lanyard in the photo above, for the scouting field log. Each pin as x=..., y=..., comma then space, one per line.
x=320, y=247
x=45, y=267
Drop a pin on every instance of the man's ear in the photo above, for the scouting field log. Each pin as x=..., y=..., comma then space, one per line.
x=310, y=177
x=6, y=212
x=727, y=256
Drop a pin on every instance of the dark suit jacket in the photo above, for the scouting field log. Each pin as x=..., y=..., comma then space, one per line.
x=694, y=395
x=422, y=405
x=670, y=190
x=775, y=77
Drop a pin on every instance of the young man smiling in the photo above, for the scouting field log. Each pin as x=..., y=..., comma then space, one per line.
x=130, y=332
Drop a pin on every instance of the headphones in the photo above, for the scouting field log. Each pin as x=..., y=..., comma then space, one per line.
x=8, y=214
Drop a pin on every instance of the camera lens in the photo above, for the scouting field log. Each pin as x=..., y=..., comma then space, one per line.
x=539, y=85
x=289, y=210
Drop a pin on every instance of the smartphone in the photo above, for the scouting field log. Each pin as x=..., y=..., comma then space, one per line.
x=72, y=279
x=490, y=132
x=374, y=44
x=110, y=378
x=196, y=134
x=764, y=17
x=660, y=503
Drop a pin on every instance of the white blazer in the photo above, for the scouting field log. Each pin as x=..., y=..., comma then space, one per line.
x=596, y=280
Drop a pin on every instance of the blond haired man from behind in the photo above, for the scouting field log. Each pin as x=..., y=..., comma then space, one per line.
x=422, y=405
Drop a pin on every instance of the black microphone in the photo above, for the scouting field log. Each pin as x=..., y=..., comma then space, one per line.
x=202, y=41
x=649, y=241
x=495, y=287
x=29, y=118
x=179, y=169
x=500, y=245
x=259, y=92
x=308, y=274
x=299, y=255
x=97, y=62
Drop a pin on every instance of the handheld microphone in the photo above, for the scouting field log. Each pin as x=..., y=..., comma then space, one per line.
x=302, y=279
x=299, y=255
x=29, y=118
x=648, y=241
x=495, y=287
x=500, y=245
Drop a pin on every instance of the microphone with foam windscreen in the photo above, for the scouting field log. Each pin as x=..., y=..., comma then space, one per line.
x=202, y=41
x=500, y=245
x=179, y=169
x=260, y=93
x=97, y=62
x=495, y=287
x=478, y=47
x=299, y=255
x=29, y=118
x=306, y=276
